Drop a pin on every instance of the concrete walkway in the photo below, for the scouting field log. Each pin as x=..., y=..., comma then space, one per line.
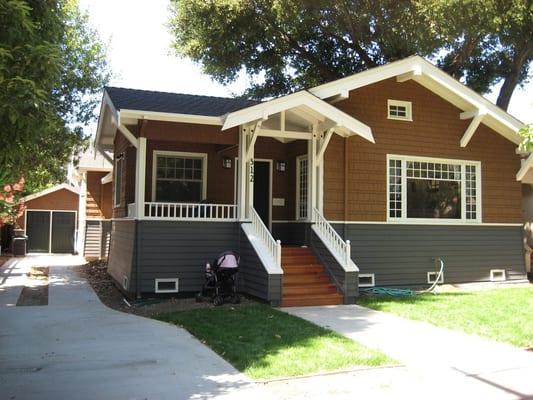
x=76, y=348
x=442, y=363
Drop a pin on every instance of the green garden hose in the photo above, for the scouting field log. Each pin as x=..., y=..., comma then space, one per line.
x=395, y=292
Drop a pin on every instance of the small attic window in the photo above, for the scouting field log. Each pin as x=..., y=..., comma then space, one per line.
x=401, y=110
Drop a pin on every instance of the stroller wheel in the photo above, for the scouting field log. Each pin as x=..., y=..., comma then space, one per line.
x=218, y=301
x=236, y=299
x=199, y=297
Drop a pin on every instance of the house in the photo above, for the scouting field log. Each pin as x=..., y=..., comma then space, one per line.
x=73, y=217
x=377, y=174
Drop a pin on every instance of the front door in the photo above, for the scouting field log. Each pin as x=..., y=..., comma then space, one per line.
x=262, y=190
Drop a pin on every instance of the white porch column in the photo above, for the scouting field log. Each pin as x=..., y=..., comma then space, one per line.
x=140, y=177
x=241, y=175
x=82, y=210
x=312, y=174
x=320, y=178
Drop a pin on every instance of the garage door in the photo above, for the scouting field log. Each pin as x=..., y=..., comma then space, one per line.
x=50, y=231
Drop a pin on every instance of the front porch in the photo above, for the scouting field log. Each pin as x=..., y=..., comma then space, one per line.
x=185, y=185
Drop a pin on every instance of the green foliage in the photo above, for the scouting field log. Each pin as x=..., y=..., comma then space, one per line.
x=52, y=66
x=11, y=206
x=526, y=132
x=288, y=45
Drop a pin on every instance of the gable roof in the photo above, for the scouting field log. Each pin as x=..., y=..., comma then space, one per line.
x=434, y=79
x=175, y=103
x=344, y=124
x=49, y=191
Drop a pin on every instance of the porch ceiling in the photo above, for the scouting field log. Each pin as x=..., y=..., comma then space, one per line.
x=299, y=112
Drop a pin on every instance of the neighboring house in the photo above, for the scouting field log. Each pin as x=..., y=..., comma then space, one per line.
x=73, y=217
x=51, y=220
x=93, y=175
x=378, y=174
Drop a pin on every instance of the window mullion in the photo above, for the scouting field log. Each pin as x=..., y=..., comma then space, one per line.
x=404, y=189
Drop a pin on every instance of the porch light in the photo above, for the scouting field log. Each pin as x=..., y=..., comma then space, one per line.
x=280, y=166
x=226, y=162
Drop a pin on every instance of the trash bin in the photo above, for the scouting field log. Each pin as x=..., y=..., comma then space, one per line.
x=19, y=245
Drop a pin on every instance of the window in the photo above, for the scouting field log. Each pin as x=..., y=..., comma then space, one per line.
x=118, y=178
x=401, y=110
x=301, y=187
x=179, y=177
x=427, y=189
x=367, y=280
x=497, y=275
x=166, y=285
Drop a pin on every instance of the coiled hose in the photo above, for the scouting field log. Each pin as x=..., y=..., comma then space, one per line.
x=395, y=292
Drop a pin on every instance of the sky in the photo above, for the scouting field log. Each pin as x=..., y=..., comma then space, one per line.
x=140, y=54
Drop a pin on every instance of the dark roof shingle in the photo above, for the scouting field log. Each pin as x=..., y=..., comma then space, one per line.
x=178, y=103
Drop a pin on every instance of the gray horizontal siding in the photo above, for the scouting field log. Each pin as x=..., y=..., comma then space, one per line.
x=122, y=252
x=254, y=279
x=401, y=255
x=170, y=249
x=346, y=282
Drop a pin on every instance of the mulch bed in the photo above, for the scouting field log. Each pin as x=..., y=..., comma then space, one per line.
x=96, y=274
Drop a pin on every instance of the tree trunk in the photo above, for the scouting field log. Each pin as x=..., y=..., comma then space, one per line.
x=513, y=77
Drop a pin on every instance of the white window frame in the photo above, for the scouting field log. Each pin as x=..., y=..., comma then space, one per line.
x=498, y=279
x=117, y=195
x=431, y=281
x=298, y=188
x=164, y=280
x=400, y=103
x=372, y=280
x=435, y=221
x=202, y=156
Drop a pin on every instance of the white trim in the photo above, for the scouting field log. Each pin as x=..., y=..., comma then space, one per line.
x=298, y=189
x=472, y=127
x=117, y=194
x=429, y=222
x=435, y=273
x=432, y=78
x=82, y=213
x=498, y=279
x=140, y=177
x=171, y=117
x=164, y=280
x=344, y=123
x=50, y=212
x=295, y=135
x=202, y=156
x=49, y=191
x=435, y=221
x=524, y=169
x=372, y=280
x=107, y=178
x=400, y=103
x=129, y=135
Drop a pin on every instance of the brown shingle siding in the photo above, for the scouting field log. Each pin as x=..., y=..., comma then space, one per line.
x=434, y=132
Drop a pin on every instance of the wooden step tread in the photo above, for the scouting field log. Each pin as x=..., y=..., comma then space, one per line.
x=314, y=300
x=308, y=290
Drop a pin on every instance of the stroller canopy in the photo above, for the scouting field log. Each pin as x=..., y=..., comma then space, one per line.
x=228, y=260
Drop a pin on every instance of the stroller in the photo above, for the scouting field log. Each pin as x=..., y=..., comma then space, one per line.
x=220, y=279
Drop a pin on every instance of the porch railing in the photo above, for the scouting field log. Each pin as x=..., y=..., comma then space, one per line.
x=190, y=211
x=263, y=234
x=340, y=248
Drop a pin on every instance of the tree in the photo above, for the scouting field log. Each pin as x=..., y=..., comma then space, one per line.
x=288, y=45
x=52, y=66
x=526, y=133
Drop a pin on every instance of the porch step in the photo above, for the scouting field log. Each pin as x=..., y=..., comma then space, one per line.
x=305, y=280
x=312, y=300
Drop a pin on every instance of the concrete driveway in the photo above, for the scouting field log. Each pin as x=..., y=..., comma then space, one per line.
x=76, y=348
x=441, y=364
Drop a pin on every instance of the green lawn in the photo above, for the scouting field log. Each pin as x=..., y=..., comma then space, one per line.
x=265, y=343
x=505, y=315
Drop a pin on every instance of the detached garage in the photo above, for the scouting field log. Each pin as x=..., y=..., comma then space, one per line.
x=51, y=219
